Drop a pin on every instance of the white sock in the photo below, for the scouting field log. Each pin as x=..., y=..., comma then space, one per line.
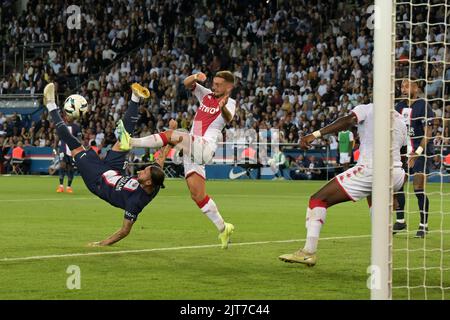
x=152, y=141
x=315, y=218
x=401, y=220
x=211, y=211
x=51, y=106
x=134, y=98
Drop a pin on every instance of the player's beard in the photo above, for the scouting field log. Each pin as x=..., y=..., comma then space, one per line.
x=218, y=96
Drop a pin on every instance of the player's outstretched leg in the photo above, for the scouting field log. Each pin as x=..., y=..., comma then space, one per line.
x=62, y=173
x=69, y=178
x=126, y=127
x=61, y=128
x=197, y=188
x=131, y=115
x=330, y=194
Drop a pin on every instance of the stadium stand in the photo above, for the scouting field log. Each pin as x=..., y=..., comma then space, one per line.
x=299, y=65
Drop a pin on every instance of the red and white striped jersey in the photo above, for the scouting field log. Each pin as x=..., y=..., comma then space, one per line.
x=208, y=120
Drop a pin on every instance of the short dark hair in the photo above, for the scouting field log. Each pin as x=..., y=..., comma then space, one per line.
x=226, y=75
x=157, y=175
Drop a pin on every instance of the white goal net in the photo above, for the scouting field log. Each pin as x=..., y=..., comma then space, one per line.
x=421, y=265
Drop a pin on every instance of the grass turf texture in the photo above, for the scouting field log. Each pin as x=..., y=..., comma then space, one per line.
x=36, y=221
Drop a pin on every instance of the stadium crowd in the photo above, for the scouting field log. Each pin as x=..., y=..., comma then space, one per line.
x=298, y=66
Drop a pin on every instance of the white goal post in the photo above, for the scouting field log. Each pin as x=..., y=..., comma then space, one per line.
x=383, y=91
x=412, y=71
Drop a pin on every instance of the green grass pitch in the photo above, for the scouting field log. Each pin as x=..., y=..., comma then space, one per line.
x=173, y=251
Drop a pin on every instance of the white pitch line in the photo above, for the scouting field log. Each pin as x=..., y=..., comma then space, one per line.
x=165, y=196
x=68, y=198
x=69, y=255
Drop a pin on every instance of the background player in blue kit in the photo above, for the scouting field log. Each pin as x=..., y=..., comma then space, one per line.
x=418, y=117
x=106, y=178
x=67, y=164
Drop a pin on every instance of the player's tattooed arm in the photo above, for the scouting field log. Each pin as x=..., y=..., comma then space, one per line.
x=173, y=125
x=116, y=236
x=340, y=124
x=163, y=155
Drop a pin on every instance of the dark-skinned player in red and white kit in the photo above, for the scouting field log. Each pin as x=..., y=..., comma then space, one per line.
x=353, y=184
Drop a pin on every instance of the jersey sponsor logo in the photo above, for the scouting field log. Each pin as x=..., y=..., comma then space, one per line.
x=131, y=185
x=111, y=177
x=210, y=110
x=126, y=183
x=121, y=183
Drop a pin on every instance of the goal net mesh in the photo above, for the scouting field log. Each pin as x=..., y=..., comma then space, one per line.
x=421, y=266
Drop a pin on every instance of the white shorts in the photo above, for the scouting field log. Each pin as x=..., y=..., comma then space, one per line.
x=356, y=182
x=344, y=158
x=196, y=154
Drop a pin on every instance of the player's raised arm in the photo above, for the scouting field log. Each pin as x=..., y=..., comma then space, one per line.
x=116, y=236
x=189, y=81
x=163, y=155
x=173, y=125
x=340, y=124
x=226, y=114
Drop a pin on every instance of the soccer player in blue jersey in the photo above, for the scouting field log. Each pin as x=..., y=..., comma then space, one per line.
x=418, y=117
x=106, y=178
x=67, y=165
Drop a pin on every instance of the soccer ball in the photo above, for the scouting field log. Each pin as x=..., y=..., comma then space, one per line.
x=75, y=106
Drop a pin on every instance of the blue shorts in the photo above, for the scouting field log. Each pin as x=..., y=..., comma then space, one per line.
x=422, y=165
x=91, y=167
x=67, y=159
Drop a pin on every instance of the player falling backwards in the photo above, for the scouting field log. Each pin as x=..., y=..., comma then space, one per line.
x=106, y=178
x=353, y=184
x=215, y=111
x=417, y=115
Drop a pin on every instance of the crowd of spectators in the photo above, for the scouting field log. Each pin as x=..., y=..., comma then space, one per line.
x=299, y=64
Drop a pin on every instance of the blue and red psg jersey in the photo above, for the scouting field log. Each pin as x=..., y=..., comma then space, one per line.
x=124, y=192
x=416, y=117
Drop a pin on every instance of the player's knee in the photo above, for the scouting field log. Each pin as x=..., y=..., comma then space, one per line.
x=317, y=200
x=197, y=196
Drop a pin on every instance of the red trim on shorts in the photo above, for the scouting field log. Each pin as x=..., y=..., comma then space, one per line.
x=163, y=137
x=345, y=191
x=317, y=203
x=203, y=203
x=190, y=173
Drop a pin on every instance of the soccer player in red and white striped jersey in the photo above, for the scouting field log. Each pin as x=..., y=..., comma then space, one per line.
x=215, y=111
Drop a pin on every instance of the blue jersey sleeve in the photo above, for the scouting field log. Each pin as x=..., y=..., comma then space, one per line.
x=131, y=215
x=429, y=115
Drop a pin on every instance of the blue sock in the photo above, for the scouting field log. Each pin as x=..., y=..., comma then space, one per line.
x=401, y=204
x=69, y=176
x=424, y=205
x=64, y=133
x=131, y=117
x=62, y=173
